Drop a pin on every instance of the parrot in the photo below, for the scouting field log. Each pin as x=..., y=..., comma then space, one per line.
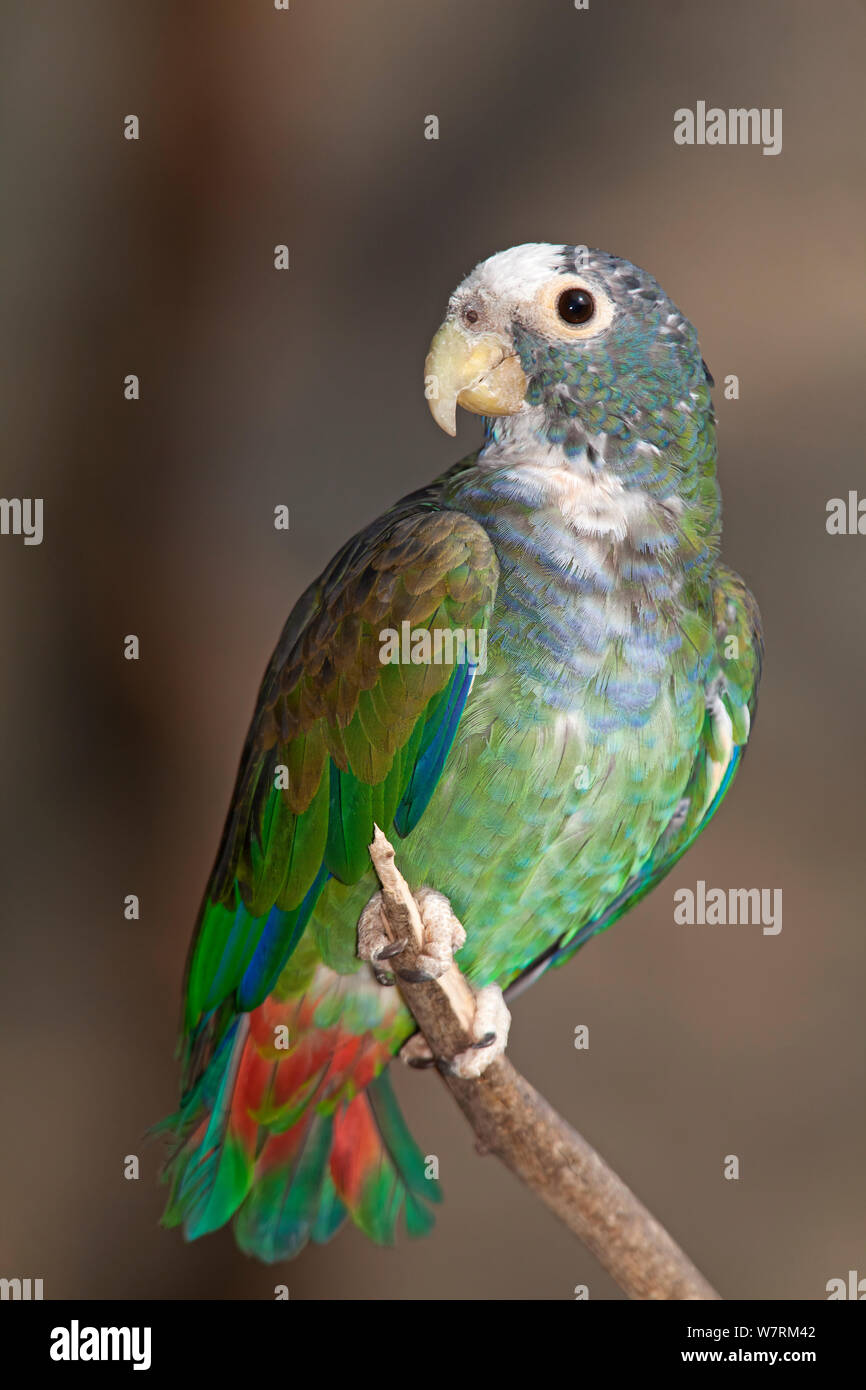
x=535, y=676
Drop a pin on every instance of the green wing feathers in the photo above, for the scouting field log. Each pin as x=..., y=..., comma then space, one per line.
x=290, y=1140
x=334, y=745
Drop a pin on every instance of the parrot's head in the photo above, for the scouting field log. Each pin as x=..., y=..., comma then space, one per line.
x=575, y=347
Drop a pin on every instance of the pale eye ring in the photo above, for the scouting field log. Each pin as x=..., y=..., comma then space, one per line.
x=575, y=306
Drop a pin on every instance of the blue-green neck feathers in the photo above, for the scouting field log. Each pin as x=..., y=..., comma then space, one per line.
x=632, y=404
x=602, y=503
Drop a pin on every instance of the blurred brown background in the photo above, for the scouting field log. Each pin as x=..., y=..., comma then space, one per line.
x=258, y=388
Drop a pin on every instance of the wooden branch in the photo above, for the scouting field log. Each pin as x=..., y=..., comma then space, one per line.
x=512, y=1121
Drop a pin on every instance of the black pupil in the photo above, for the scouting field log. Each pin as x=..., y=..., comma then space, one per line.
x=576, y=306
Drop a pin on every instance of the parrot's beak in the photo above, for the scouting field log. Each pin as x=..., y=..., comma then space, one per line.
x=479, y=371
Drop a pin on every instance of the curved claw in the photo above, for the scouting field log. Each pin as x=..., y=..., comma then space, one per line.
x=420, y=1063
x=392, y=949
x=490, y=1028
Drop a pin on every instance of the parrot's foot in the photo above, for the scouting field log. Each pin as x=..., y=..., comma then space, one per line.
x=443, y=935
x=489, y=1029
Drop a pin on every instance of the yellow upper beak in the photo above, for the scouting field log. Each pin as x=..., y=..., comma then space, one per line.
x=479, y=371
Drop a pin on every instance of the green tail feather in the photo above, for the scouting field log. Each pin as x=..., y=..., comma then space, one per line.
x=278, y=1211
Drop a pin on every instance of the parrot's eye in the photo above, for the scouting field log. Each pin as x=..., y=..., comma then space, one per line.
x=570, y=313
x=575, y=306
x=470, y=315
